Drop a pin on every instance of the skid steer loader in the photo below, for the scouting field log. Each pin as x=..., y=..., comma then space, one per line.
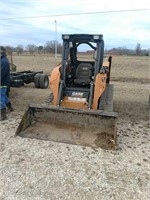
x=80, y=109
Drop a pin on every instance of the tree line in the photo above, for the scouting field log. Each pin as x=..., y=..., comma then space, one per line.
x=49, y=47
x=126, y=51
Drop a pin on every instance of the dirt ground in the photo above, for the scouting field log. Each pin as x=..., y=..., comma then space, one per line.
x=34, y=169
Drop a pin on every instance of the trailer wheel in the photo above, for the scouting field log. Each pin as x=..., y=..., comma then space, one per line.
x=37, y=80
x=43, y=81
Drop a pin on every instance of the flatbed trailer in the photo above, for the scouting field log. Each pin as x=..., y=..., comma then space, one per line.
x=18, y=79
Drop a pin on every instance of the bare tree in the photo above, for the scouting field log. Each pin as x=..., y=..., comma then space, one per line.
x=19, y=49
x=138, y=49
x=31, y=48
x=40, y=49
x=9, y=49
x=59, y=48
x=50, y=47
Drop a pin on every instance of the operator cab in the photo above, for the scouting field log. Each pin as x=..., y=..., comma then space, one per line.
x=81, y=60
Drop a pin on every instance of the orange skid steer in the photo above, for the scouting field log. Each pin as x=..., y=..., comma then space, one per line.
x=80, y=109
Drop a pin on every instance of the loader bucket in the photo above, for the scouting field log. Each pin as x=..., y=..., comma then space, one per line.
x=80, y=127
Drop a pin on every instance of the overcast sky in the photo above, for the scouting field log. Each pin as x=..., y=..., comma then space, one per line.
x=35, y=21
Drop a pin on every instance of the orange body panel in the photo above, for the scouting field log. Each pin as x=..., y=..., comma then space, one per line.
x=54, y=83
x=100, y=84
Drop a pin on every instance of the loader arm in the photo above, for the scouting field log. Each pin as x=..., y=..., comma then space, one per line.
x=54, y=83
x=100, y=84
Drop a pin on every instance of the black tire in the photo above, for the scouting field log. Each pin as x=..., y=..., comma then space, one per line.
x=44, y=81
x=106, y=100
x=37, y=80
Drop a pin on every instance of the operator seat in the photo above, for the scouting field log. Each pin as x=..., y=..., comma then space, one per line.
x=83, y=74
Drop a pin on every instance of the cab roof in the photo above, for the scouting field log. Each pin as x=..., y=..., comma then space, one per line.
x=75, y=38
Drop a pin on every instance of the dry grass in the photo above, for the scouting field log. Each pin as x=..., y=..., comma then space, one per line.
x=131, y=67
x=122, y=66
x=36, y=63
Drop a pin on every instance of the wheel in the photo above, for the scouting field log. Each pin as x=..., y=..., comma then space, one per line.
x=37, y=80
x=106, y=100
x=43, y=81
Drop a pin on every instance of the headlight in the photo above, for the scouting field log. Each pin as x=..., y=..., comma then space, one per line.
x=96, y=37
x=66, y=37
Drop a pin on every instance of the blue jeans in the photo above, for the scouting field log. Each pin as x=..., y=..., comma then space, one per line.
x=3, y=97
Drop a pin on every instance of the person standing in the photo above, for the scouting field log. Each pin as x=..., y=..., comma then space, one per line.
x=4, y=83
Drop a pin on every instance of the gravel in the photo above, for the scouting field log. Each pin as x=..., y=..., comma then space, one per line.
x=39, y=170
